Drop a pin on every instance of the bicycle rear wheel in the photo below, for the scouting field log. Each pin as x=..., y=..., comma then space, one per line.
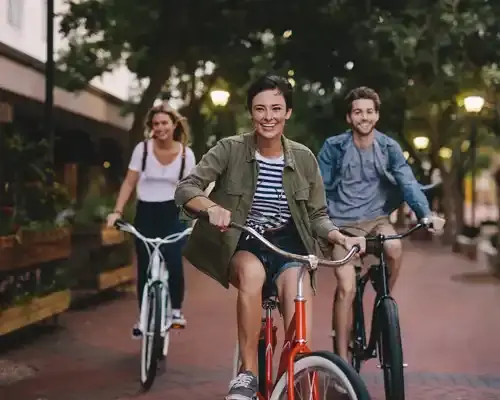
x=343, y=381
x=391, y=350
x=151, y=339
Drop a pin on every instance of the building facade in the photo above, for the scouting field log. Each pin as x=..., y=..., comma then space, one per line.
x=90, y=127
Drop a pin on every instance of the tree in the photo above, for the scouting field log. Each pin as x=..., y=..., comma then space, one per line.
x=151, y=37
x=421, y=56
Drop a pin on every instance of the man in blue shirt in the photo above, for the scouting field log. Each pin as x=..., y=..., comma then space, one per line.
x=366, y=177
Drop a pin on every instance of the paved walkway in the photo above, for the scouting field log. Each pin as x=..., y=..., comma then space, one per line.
x=450, y=320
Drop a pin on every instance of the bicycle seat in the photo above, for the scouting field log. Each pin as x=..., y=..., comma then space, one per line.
x=270, y=295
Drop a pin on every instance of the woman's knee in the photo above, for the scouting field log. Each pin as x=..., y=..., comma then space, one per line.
x=247, y=272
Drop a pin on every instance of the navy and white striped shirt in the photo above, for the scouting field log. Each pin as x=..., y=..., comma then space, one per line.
x=269, y=207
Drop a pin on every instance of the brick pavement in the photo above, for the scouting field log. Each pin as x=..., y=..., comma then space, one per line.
x=448, y=309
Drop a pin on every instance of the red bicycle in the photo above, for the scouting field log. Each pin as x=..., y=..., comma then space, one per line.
x=300, y=368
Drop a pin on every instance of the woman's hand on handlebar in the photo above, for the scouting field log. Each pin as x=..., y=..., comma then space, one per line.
x=359, y=241
x=112, y=218
x=219, y=217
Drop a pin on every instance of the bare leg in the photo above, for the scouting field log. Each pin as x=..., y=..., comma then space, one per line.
x=342, y=313
x=394, y=253
x=248, y=277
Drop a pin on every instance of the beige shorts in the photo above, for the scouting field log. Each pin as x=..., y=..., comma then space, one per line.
x=362, y=228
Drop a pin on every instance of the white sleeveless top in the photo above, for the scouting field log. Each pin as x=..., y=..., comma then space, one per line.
x=158, y=182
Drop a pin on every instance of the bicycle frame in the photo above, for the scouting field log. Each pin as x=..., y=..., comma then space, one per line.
x=157, y=271
x=295, y=342
x=379, y=278
x=295, y=336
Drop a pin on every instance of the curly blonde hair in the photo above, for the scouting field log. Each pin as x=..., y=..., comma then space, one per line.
x=182, y=132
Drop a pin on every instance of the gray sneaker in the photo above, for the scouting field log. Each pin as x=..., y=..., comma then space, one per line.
x=243, y=387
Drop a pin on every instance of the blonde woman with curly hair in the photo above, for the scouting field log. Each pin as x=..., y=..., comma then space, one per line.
x=156, y=165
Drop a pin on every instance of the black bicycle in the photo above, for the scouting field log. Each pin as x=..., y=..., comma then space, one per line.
x=385, y=335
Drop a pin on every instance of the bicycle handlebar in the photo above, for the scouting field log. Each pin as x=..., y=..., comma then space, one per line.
x=128, y=227
x=384, y=238
x=312, y=260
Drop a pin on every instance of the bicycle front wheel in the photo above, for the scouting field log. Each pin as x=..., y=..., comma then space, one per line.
x=320, y=376
x=151, y=339
x=391, y=350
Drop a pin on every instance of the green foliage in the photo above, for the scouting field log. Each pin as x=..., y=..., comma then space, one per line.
x=32, y=197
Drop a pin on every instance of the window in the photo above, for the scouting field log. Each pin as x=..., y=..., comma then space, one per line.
x=15, y=13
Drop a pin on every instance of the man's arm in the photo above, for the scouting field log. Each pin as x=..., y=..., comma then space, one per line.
x=412, y=192
x=191, y=190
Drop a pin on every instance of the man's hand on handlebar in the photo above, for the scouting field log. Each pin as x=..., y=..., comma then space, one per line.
x=433, y=223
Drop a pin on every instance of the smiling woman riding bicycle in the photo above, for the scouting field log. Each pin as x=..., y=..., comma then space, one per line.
x=269, y=183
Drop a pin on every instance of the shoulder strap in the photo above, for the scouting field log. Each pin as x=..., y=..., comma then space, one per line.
x=183, y=162
x=144, y=155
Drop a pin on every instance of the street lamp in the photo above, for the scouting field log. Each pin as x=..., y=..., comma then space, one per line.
x=473, y=105
x=219, y=97
x=421, y=142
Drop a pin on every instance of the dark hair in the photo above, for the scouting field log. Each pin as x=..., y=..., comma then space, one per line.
x=362, y=92
x=271, y=82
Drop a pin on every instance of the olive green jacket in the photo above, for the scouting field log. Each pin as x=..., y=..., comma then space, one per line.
x=232, y=165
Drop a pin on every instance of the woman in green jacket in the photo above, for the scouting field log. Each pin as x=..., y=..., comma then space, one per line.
x=274, y=185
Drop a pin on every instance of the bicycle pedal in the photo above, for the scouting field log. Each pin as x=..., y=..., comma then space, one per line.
x=404, y=366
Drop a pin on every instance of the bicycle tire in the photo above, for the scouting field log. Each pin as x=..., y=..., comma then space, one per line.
x=151, y=339
x=164, y=344
x=391, y=350
x=340, y=370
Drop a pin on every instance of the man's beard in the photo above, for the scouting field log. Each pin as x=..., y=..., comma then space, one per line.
x=363, y=133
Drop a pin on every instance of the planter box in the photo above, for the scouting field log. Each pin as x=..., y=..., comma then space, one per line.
x=111, y=236
x=34, y=248
x=116, y=277
x=38, y=309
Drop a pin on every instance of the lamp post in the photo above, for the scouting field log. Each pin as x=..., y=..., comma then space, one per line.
x=473, y=105
x=49, y=81
x=220, y=99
